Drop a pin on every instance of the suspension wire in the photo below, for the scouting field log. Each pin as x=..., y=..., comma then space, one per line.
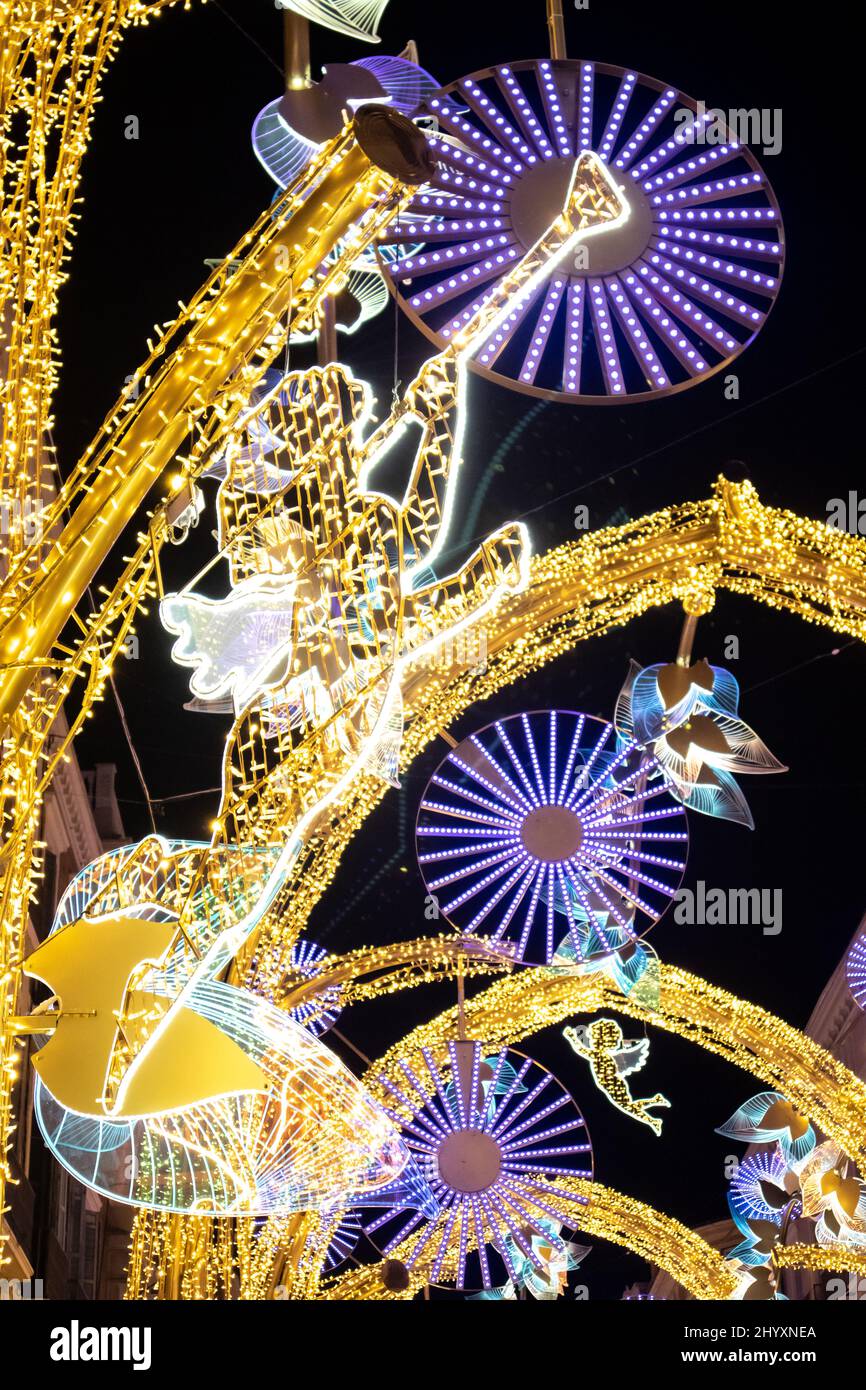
x=133, y=754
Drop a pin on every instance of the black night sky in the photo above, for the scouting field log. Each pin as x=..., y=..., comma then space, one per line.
x=155, y=208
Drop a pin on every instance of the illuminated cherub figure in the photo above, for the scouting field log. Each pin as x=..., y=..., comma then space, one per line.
x=612, y=1058
x=203, y=1095
x=334, y=596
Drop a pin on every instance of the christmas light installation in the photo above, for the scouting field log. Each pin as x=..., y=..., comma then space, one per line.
x=525, y=1002
x=773, y=1187
x=855, y=970
x=834, y=1195
x=319, y=1015
x=227, y=1106
x=493, y=1155
x=309, y=645
x=673, y=298
x=769, y=1116
x=287, y=131
x=358, y=19
x=344, y=1241
x=546, y=1280
x=689, y=716
x=539, y=828
x=611, y=1059
x=798, y=592
x=762, y=1199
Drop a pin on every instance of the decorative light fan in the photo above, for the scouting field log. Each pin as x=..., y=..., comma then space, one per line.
x=538, y=828
x=855, y=970
x=653, y=306
x=494, y=1134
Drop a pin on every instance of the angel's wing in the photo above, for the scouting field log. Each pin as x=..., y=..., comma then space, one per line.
x=633, y=1054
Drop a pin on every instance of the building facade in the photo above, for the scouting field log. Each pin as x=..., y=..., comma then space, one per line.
x=63, y=1241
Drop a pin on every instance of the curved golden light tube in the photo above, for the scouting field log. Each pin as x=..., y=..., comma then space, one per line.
x=750, y=1037
x=843, y=1259
x=604, y=580
x=608, y=1215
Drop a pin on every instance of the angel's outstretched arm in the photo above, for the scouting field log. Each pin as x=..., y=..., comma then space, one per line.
x=441, y=609
x=570, y=1035
x=433, y=403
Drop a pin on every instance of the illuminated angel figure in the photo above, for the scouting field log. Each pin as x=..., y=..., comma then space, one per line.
x=611, y=1059
x=334, y=594
x=162, y=1084
x=689, y=716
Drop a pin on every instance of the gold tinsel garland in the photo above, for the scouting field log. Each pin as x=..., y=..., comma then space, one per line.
x=603, y=1213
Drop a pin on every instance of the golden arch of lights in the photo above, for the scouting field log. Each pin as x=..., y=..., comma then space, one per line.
x=59, y=642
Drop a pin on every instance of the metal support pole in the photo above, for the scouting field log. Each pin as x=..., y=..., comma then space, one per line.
x=687, y=637
x=296, y=50
x=556, y=29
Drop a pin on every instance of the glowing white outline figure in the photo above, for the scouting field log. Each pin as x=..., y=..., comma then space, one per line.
x=611, y=1059
x=426, y=540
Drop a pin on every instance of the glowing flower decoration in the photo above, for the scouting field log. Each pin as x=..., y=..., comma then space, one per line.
x=539, y=825
x=359, y=19
x=548, y=1280
x=768, y=1117
x=688, y=716
x=757, y=1285
x=558, y=1257
x=289, y=130
x=764, y=1189
x=835, y=1195
x=855, y=970
x=492, y=1157
x=635, y=969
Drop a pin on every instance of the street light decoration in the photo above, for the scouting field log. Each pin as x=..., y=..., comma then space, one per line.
x=540, y=828
x=689, y=716
x=492, y=1134
x=674, y=297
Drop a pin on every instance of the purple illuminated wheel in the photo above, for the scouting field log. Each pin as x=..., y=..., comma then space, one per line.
x=322, y=1012
x=662, y=302
x=497, y=1137
x=343, y=1241
x=542, y=828
x=855, y=970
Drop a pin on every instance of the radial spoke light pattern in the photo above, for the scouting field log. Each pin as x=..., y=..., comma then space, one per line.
x=492, y=1135
x=653, y=306
x=538, y=829
x=320, y=1014
x=855, y=970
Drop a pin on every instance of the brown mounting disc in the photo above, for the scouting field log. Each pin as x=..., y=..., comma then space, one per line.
x=393, y=143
